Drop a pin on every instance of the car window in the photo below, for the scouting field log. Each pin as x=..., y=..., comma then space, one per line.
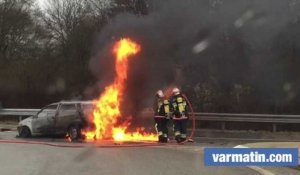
x=42, y=114
x=67, y=108
x=51, y=109
x=87, y=108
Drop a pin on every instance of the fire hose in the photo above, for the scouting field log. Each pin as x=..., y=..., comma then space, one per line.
x=81, y=145
x=193, y=120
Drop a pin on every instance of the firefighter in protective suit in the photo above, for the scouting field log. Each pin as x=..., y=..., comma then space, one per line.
x=180, y=115
x=161, y=116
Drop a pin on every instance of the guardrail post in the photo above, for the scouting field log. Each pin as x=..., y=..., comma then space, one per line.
x=274, y=127
x=20, y=118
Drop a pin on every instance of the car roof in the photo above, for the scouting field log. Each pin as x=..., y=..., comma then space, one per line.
x=52, y=104
x=74, y=102
x=78, y=102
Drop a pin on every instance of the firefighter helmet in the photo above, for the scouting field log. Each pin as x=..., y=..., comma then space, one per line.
x=176, y=91
x=160, y=93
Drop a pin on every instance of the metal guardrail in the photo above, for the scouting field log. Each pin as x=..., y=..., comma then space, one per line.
x=18, y=112
x=221, y=117
x=253, y=118
x=269, y=118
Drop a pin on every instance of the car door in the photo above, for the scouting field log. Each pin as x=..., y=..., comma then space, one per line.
x=44, y=121
x=67, y=114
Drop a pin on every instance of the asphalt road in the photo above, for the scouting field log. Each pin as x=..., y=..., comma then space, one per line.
x=29, y=159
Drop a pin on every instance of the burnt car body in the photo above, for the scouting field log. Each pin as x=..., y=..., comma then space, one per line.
x=59, y=119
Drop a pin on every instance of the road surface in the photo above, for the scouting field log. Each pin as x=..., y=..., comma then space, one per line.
x=28, y=159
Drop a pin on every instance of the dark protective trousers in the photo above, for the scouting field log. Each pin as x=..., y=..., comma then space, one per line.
x=180, y=129
x=162, y=126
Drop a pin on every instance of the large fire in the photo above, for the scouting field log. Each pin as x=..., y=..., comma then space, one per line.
x=107, y=114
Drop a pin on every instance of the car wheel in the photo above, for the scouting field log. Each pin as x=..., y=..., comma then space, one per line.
x=24, y=132
x=74, y=133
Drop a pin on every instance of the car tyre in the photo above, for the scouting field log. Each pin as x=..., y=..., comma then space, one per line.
x=74, y=132
x=24, y=132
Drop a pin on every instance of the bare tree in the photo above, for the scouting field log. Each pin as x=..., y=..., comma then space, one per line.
x=102, y=8
x=16, y=28
x=63, y=17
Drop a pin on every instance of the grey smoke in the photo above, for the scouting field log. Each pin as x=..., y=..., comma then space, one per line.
x=228, y=40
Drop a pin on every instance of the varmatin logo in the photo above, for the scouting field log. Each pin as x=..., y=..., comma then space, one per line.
x=251, y=156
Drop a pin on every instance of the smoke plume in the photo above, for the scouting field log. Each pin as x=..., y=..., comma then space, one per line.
x=190, y=42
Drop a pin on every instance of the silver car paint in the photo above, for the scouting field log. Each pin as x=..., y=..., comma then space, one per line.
x=51, y=120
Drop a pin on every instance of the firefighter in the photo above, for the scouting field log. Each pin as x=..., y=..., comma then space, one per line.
x=180, y=115
x=162, y=116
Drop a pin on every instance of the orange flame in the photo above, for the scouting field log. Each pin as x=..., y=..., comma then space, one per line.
x=107, y=110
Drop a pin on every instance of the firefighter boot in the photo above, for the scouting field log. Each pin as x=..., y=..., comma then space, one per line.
x=165, y=138
x=178, y=138
x=183, y=138
x=161, y=139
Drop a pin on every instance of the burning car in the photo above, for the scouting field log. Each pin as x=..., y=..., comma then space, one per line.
x=98, y=120
x=58, y=119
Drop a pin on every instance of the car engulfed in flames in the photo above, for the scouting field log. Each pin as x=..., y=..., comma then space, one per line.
x=106, y=115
